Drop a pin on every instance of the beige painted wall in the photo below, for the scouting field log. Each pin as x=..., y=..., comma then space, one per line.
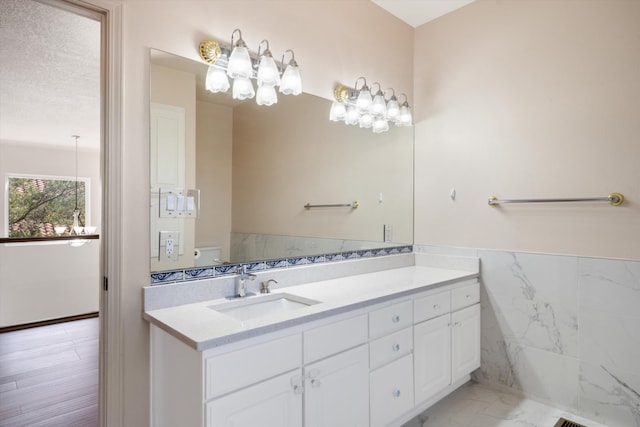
x=213, y=177
x=282, y=160
x=530, y=99
x=40, y=281
x=325, y=57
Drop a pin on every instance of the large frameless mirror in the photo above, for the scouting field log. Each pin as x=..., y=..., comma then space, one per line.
x=242, y=175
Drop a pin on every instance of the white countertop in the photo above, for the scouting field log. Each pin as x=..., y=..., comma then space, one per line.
x=202, y=328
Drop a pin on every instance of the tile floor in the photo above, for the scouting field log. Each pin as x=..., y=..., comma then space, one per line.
x=479, y=405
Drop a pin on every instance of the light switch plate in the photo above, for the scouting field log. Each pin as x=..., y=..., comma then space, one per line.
x=388, y=233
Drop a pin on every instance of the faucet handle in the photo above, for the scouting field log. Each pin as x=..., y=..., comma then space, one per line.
x=264, y=288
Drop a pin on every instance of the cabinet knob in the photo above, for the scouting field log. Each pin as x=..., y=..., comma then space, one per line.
x=468, y=296
x=396, y=347
x=396, y=393
x=297, y=389
x=436, y=306
x=315, y=383
x=395, y=318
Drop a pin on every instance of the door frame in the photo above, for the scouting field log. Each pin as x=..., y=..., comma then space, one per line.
x=111, y=362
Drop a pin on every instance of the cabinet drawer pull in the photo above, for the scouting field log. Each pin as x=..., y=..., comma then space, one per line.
x=395, y=318
x=396, y=393
x=396, y=347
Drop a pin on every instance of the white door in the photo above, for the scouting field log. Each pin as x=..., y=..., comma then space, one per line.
x=337, y=390
x=466, y=341
x=167, y=166
x=432, y=357
x=275, y=402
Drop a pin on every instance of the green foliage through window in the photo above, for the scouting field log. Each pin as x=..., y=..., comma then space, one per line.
x=37, y=205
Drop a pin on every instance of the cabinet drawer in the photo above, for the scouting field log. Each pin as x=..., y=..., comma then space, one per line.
x=231, y=371
x=431, y=306
x=334, y=338
x=391, y=391
x=465, y=296
x=390, y=347
x=390, y=319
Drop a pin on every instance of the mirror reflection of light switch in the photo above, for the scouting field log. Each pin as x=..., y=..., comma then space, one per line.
x=171, y=202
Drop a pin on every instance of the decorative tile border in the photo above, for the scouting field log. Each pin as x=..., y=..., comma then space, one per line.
x=189, y=274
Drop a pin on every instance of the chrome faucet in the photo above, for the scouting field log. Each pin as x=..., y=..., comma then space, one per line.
x=264, y=289
x=241, y=285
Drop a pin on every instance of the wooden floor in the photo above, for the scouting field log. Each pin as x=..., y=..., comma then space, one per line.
x=49, y=375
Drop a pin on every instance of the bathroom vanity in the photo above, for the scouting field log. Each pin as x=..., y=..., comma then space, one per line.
x=372, y=349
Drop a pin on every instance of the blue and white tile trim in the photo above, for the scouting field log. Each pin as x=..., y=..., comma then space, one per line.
x=188, y=274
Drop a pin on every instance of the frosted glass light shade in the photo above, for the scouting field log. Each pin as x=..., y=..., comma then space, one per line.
x=392, y=110
x=364, y=101
x=379, y=106
x=291, y=83
x=217, y=80
x=404, y=118
x=337, y=112
x=239, y=63
x=266, y=95
x=268, y=73
x=352, y=116
x=365, y=121
x=243, y=88
x=380, y=125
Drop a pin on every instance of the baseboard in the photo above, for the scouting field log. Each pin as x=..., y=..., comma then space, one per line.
x=48, y=322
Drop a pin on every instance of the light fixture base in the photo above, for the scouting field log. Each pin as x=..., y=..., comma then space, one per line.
x=210, y=51
x=341, y=93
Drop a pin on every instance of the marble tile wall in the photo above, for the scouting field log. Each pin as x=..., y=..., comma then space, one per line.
x=563, y=329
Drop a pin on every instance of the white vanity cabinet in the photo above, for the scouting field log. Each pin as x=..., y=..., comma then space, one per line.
x=374, y=366
x=446, y=338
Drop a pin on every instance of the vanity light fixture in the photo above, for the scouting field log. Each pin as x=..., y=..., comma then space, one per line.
x=359, y=107
x=237, y=63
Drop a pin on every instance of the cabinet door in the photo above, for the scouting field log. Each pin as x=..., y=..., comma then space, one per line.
x=432, y=357
x=337, y=390
x=466, y=341
x=276, y=402
x=391, y=391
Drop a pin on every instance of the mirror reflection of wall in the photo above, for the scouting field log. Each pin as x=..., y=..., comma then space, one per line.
x=256, y=167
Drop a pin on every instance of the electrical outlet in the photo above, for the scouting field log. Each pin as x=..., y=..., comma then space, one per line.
x=169, y=246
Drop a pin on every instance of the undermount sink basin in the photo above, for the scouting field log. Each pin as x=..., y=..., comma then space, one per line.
x=259, y=306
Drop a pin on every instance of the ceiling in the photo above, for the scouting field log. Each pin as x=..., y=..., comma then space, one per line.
x=50, y=69
x=418, y=12
x=49, y=75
